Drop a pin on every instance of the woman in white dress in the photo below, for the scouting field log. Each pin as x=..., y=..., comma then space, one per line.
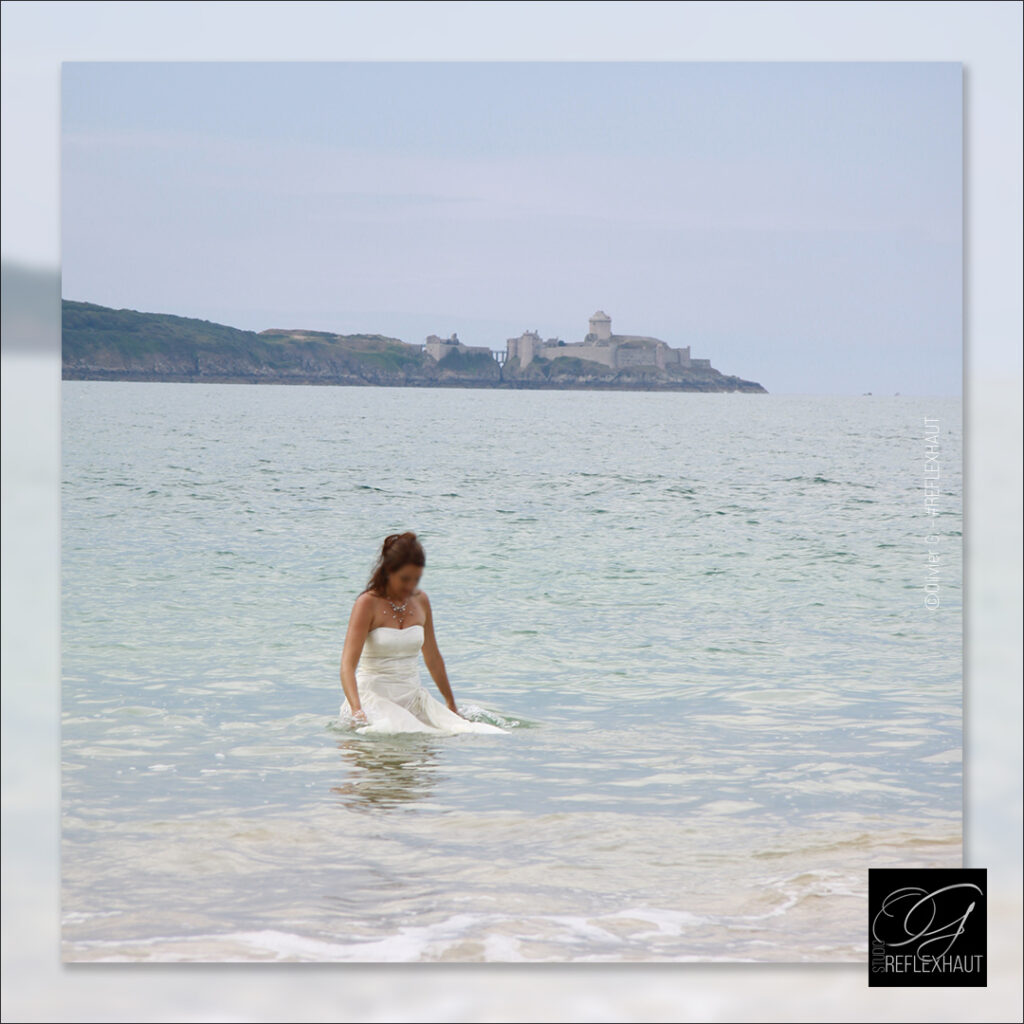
x=390, y=625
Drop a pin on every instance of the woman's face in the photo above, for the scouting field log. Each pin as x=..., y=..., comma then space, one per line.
x=404, y=581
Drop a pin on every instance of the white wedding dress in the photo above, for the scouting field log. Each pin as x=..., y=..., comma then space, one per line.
x=388, y=680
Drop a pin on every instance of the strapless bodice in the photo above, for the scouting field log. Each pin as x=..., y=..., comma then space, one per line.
x=389, y=663
x=392, y=642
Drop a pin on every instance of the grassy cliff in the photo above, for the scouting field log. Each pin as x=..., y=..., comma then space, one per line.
x=100, y=343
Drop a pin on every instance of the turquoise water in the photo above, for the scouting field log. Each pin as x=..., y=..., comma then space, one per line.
x=701, y=617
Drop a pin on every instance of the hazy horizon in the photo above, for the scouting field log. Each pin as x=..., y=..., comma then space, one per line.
x=36, y=340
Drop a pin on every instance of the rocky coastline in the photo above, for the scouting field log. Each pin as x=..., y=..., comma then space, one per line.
x=100, y=343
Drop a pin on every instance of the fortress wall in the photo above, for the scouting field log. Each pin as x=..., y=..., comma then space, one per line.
x=439, y=349
x=597, y=353
x=636, y=357
x=525, y=347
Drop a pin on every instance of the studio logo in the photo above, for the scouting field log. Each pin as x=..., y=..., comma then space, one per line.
x=927, y=926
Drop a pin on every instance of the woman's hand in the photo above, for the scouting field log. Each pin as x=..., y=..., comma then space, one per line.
x=452, y=707
x=359, y=717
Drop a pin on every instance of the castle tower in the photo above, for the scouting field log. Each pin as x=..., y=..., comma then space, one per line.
x=601, y=326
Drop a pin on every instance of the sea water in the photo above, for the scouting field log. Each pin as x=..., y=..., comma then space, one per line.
x=723, y=632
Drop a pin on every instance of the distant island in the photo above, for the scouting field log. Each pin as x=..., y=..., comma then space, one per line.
x=100, y=343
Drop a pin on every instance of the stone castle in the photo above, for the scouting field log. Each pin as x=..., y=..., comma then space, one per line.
x=599, y=345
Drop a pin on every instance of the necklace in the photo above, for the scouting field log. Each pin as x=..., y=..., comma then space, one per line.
x=396, y=609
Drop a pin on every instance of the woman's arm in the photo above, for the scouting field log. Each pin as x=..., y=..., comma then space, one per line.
x=432, y=656
x=358, y=627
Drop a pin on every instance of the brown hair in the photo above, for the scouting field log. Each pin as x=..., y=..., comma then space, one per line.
x=397, y=550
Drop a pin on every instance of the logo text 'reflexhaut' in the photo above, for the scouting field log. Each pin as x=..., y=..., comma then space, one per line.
x=927, y=926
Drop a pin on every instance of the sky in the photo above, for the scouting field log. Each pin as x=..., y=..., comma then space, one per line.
x=797, y=223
